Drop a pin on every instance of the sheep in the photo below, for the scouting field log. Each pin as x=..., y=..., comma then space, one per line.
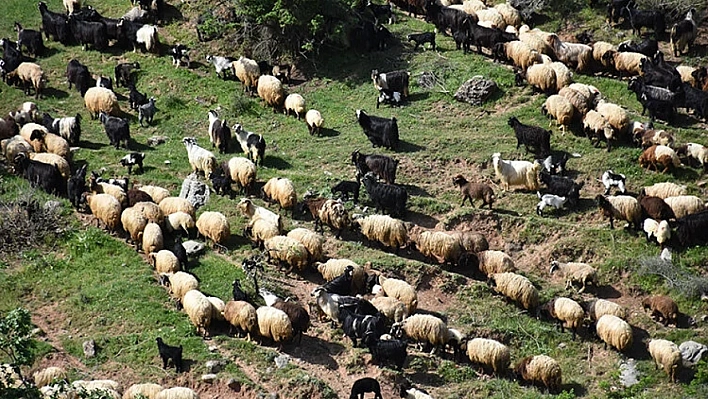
x=333, y=214
x=625, y=63
x=299, y=318
x=30, y=129
x=474, y=191
x=170, y=205
x=394, y=310
x=253, y=145
x=575, y=272
x=314, y=121
x=599, y=49
x=152, y=212
x=51, y=143
x=259, y=230
x=580, y=101
x=164, y=261
x=664, y=190
x=564, y=77
x=515, y=287
x=665, y=354
x=511, y=15
x=133, y=222
x=519, y=53
x=659, y=230
x=622, y=207
x=147, y=112
x=15, y=146
x=312, y=241
x=488, y=262
x=597, y=308
x=364, y=385
x=656, y=208
x=105, y=208
x=424, y=328
x=615, y=115
x=274, y=324
x=147, y=390
x=536, y=40
x=53, y=159
x=30, y=74
x=683, y=205
x=177, y=393
x=560, y=109
x=200, y=159
x=100, y=99
x=199, y=309
x=218, y=307
x=540, y=369
x=215, y=226
x=271, y=91
x=490, y=354
x=695, y=153
x=663, y=308
x=240, y=171
x=492, y=15
x=247, y=71
x=382, y=228
x=520, y=173
x=46, y=376
x=443, y=247
x=103, y=388
x=287, y=250
x=572, y=54
x=542, y=77
x=614, y=331
x=179, y=221
x=335, y=267
x=180, y=283
x=471, y=240
x=282, y=191
x=568, y=313
x=152, y=238
x=295, y=103
x=657, y=155
x=241, y=315
x=400, y=290
x=253, y=211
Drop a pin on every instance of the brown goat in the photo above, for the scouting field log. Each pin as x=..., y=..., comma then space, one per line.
x=663, y=308
x=659, y=155
x=474, y=191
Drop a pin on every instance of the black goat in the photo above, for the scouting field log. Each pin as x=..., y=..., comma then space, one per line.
x=238, y=293
x=223, y=137
x=640, y=88
x=386, y=197
x=136, y=98
x=615, y=7
x=445, y=17
x=355, y=326
x=381, y=12
x=421, y=38
x=8, y=128
x=482, y=36
x=123, y=74
x=531, y=136
x=31, y=39
x=692, y=229
x=44, y=175
x=167, y=353
x=11, y=57
x=462, y=40
x=221, y=182
x=117, y=129
x=645, y=18
x=364, y=385
x=342, y=284
x=76, y=186
x=133, y=159
x=90, y=14
x=562, y=186
x=658, y=109
x=55, y=25
x=648, y=47
x=396, y=81
x=696, y=100
x=393, y=352
x=384, y=167
x=347, y=189
x=380, y=131
x=88, y=33
x=79, y=75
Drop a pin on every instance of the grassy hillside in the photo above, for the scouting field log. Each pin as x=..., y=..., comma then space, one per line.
x=93, y=285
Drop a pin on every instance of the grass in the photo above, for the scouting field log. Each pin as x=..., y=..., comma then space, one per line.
x=96, y=286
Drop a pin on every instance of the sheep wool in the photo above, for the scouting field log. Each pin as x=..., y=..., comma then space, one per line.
x=657, y=155
x=54, y=144
x=594, y=124
x=253, y=211
x=105, y=208
x=177, y=393
x=489, y=353
x=218, y=308
x=622, y=207
x=100, y=99
x=93, y=385
x=181, y=283
x=471, y=240
x=152, y=238
x=541, y=369
x=425, y=328
x=26, y=133
x=686, y=73
x=312, y=241
x=334, y=215
x=576, y=272
x=659, y=230
x=171, y=205
x=242, y=171
x=400, y=290
x=542, y=77
x=616, y=116
x=560, y=109
x=199, y=309
x=287, y=250
x=516, y=287
x=271, y=90
x=579, y=101
x=491, y=262
x=599, y=49
x=492, y=15
x=156, y=193
x=215, y=226
x=683, y=205
x=45, y=376
x=614, y=332
x=384, y=229
x=179, y=221
x=511, y=15
x=600, y=307
x=274, y=324
x=335, y=267
x=259, y=230
x=282, y=191
x=164, y=261
x=314, y=121
x=394, y=310
x=247, y=71
x=147, y=390
x=134, y=223
x=439, y=245
x=53, y=159
x=568, y=311
x=295, y=103
x=664, y=190
x=521, y=54
x=242, y=315
x=564, y=76
x=666, y=355
x=14, y=146
x=535, y=41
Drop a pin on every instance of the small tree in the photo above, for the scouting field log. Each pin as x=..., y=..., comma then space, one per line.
x=16, y=345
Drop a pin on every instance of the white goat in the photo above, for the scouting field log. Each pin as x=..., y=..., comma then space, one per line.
x=549, y=200
x=516, y=173
x=611, y=179
x=221, y=64
x=200, y=159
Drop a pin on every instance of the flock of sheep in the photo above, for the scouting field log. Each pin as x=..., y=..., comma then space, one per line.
x=152, y=218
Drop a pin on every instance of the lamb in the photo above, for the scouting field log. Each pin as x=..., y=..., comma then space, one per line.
x=424, y=328
x=394, y=310
x=364, y=385
x=694, y=152
x=105, y=208
x=572, y=54
x=274, y=324
x=542, y=77
x=45, y=376
x=667, y=355
x=347, y=189
x=314, y=121
x=51, y=143
x=312, y=241
x=683, y=205
x=336, y=267
x=388, y=231
x=421, y=38
x=611, y=179
x=542, y=370
x=271, y=91
x=170, y=205
x=474, y=191
x=597, y=308
x=242, y=172
x=386, y=197
x=295, y=103
x=177, y=393
x=400, y=290
x=214, y=226
x=253, y=145
x=622, y=207
x=152, y=238
x=519, y=173
x=490, y=354
x=549, y=200
x=53, y=159
x=248, y=72
x=282, y=191
x=132, y=159
x=241, y=315
x=660, y=231
x=164, y=261
x=515, y=287
x=100, y=99
x=147, y=390
x=663, y=308
x=200, y=159
x=382, y=166
x=170, y=353
x=180, y=54
x=657, y=155
x=568, y=313
x=559, y=108
x=443, y=247
x=147, y=112
x=576, y=272
x=30, y=75
x=287, y=250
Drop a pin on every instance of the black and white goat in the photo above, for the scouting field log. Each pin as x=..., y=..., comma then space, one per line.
x=105, y=82
x=648, y=47
x=381, y=132
x=393, y=81
x=133, y=159
x=253, y=145
x=684, y=33
x=611, y=179
x=180, y=55
x=381, y=12
x=68, y=127
x=388, y=97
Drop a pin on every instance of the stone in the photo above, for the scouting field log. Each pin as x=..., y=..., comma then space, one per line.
x=213, y=366
x=282, y=361
x=476, y=90
x=629, y=375
x=89, y=348
x=195, y=191
x=154, y=141
x=692, y=352
x=233, y=385
x=193, y=247
x=213, y=348
x=210, y=378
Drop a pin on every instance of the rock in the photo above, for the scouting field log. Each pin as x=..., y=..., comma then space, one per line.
x=282, y=361
x=193, y=247
x=234, y=385
x=628, y=372
x=476, y=90
x=154, y=141
x=209, y=378
x=692, y=352
x=37, y=332
x=195, y=191
x=562, y=345
x=52, y=207
x=213, y=348
x=214, y=366
x=89, y=348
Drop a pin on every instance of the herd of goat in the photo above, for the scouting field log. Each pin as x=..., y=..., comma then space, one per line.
x=38, y=148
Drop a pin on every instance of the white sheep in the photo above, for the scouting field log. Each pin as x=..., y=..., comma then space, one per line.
x=179, y=221
x=575, y=272
x=614, y=331
x=384, y=229
x=568, y=312
x=177, y=393
x=105, y=208
x=218, y=307
x=147, y=390
x=424, y=328
x=440, y=245
x=156, y=193
x=259, y=230
x=471, y=241
x=274, y=324
x=686, y=73
x=28, y=129
x=536, y=40
x=94, y=385
x=542, y=77
x=242, y=315
x=314, y=121
x=215, y=226
x=490, y=354
x=541, y=369
x=491, y=261
x=100, y=99
x=658, y=230
x=564, y=77
x=47, y=375
x=271, y=90
x=253, y=211
x=664, y=190
x=170, y=205
x=334, y=214
x=200, y=159
x=180, y=283
x=698, y=153
x=199, y=309
x=152, y=238
x=30, y=74
x=560, y=109
x=134, y=223
x=335, y=267
x=517, y=288
x=683, y=205
x=597, y=308
x=287, y=250
x=492, y=15
x=625, y=63
x=53, y=159
x=242, y=171
x=667, y=355
x=282, y=191
x=248, y=72
x=295, y=103
x=581, y=102
x=599, y=49
x=617, y=116
x=621, y=207
x=516, y=173
x=520, y=54
x=400, y=290
x=312, y=241
x=392, y=308
x=164, y=261
x=511, y=15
